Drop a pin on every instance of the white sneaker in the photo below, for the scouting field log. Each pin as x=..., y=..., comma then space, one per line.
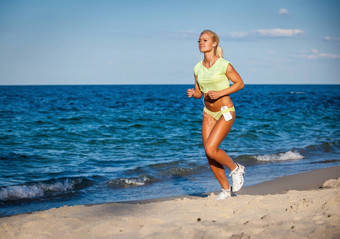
x=224, y=194
x=237, y=176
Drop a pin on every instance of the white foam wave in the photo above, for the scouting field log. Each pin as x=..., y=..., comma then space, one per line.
x=297, y=92
x=290, y=155
x=34, y=190
x=135, y=181
x=128, y=182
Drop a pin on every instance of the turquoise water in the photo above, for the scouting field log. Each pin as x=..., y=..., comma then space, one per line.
x=67, y=145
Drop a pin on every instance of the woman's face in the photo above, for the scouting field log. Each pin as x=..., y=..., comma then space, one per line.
x=205, y=43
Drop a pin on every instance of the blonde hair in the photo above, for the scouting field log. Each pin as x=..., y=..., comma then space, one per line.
x=218, y=50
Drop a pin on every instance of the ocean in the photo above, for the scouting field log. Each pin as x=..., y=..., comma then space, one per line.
x=71, y=145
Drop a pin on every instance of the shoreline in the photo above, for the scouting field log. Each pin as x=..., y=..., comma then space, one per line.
x=294, y=206
x=279, y=185
x=301, y=181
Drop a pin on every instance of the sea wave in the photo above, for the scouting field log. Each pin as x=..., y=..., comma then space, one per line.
x=296, y=92
x=333, y=146
x=181, y=171
x=290, y=155
x=36, y=190
x=129, y=182
x=173, y=169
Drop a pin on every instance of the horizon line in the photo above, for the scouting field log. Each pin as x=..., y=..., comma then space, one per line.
x=146, y=84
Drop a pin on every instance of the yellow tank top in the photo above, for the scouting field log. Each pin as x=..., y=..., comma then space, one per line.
x=212, y=78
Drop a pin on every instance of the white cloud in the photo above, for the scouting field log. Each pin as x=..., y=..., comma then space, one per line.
x=329, y=55
x=237, y=34
x=272, y=33
x=283, y=11
x=185, y=34
x=277, y=32
x=258, y=33
x=331, y=38
x=315, y=54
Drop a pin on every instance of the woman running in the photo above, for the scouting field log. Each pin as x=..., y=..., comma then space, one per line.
x=212, y=76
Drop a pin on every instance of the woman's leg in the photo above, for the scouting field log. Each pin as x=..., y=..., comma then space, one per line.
x=217, y=134
x=213, y=134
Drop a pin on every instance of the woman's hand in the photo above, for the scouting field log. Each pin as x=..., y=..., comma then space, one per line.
x=213, y=95
x=190, y=92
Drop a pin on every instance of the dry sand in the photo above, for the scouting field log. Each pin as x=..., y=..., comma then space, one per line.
x=297, y=206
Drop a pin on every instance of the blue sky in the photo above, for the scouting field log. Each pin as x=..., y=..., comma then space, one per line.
x=155, y=42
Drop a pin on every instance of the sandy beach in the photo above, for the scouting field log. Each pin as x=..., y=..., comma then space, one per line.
x=305, y=205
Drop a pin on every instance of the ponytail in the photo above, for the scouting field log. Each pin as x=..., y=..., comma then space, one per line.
x=219, y=51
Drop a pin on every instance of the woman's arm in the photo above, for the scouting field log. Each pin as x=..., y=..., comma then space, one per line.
x=197, y=93
x=232, y=74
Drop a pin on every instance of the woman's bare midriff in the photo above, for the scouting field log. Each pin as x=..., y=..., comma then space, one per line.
x=215, y=105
